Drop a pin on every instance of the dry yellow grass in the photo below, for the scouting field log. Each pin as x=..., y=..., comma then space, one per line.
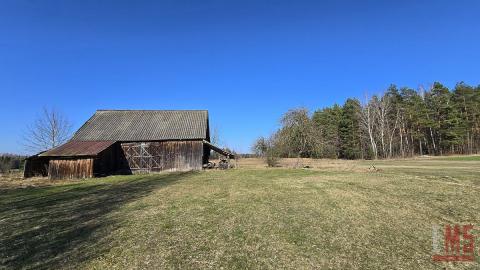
x=339, y=214
x=16, y=180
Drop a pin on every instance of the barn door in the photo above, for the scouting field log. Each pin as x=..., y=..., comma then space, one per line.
x=140, y=158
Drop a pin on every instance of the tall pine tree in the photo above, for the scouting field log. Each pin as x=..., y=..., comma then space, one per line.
x=349, y=130
x=327, y=122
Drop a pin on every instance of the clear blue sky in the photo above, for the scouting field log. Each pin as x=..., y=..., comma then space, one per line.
x=247, y=62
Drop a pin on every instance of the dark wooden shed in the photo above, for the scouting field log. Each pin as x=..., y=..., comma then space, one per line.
x=130, y=141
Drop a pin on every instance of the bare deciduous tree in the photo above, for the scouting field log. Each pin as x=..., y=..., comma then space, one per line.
x=268, y=148
x=392, y=133
x=382, y=110
x=215, y=139
x=49, y=130
x=299, y=134
x=368, y=121
x=260, y=147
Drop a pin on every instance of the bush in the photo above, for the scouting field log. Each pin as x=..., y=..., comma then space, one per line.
x=272, y=161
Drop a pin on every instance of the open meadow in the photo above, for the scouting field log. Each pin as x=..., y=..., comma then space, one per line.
x=336, y=214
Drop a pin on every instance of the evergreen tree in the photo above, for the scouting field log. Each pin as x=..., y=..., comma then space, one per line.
x=444, y=120
x=414, y=116
x=349, y=131
x=327, y=122
x=464, y=102
x=398, y=123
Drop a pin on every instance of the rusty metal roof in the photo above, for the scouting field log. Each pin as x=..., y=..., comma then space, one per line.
x=78, y=148
x=144, y=125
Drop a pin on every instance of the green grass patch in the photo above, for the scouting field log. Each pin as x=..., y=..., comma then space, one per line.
x=462, y=158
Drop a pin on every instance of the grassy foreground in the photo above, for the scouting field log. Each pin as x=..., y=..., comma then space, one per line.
x=341, y=215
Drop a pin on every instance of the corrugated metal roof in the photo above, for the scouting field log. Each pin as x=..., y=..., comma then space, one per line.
x=144, y=125
x=78, y=148
x=218, y=149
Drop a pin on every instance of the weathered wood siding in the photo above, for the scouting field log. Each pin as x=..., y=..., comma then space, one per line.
x=164, y=155
x=131, y=157
x=70, y=168
x=105, y=163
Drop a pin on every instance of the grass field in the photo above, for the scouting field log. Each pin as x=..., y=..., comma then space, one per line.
x=338, y=214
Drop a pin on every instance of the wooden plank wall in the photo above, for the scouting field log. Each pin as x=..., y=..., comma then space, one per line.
x=106, y=161
x=132, y=157
x=70, y=168
x=35, y=166
x=165, y=155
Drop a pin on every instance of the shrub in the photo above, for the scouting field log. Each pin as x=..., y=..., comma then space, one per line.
x=272, y=161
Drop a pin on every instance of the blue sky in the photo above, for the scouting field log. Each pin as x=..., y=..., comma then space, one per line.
x=247, y=62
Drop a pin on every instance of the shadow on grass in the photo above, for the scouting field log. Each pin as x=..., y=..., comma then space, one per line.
x=62, y=226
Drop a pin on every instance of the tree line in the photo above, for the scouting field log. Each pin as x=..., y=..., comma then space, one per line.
x=10, y=162
x=397, y=123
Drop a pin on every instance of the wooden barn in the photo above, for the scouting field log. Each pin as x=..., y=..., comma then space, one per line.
x=130, y=141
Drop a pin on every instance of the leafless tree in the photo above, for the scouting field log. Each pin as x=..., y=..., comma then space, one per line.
x=382, y=111
x=216, y=136
x=260, y=146
x=391, y=131
x=49, y=130
x=377, y=125
x=268, y=148
x=368, y=122
x=299, y=134
x=215, y=140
